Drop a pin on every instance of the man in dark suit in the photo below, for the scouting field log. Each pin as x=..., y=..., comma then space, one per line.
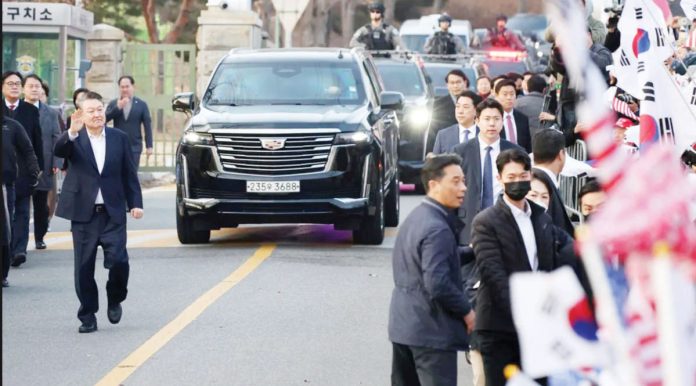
x=50, y=130
x=532, y=104
x=101, y=183
x=28, y=116
x=516, y=124
x=514, y=235
x=478, y=163
x=16, y=149
x=549, y=157
x=129, y=113
x=443, y=107
x=465, y=129
x=429, y=313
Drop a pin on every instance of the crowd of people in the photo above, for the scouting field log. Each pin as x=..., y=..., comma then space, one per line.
x=40, y=149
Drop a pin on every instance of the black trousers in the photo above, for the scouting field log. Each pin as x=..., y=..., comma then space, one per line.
x=5, y=250
x=87, y=236
x=419, y=366
x=40, y=202
x=498, y=349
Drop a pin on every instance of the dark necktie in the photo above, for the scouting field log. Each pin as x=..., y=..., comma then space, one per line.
x=466, y=136
x=487, y=186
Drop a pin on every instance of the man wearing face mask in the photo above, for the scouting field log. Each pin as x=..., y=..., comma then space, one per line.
x=548, y=146
x=514, y=235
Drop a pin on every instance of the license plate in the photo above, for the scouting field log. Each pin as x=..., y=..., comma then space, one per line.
x=273, y=186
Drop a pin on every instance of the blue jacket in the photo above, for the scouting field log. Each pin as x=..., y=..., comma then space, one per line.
x=118, y=180
x=448, y=138
x=428, y=303
x=139, y=115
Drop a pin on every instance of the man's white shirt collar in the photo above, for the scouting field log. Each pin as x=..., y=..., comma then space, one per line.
x=551, y=174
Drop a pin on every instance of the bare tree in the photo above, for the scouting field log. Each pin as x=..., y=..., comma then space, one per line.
x=181, y=20
x=347, y=20
x=149, y=14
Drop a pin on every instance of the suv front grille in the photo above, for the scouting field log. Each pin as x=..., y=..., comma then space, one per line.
x=274, y=154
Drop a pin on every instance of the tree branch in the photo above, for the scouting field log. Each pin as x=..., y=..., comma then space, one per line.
x=181, y=20
x=149, y=14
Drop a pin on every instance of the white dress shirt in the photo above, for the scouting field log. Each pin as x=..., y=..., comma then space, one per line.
x=497, y=187
x=514, y=126
x=551, y=174
x=8, y=104
x=463, y=130
x=98, y=143
x=524, y=223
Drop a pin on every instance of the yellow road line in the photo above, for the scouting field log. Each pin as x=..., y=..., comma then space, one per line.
x=138, y=357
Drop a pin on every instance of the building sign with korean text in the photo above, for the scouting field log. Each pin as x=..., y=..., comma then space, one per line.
x=46, y=14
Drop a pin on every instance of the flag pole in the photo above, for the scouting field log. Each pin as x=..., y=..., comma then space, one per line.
x=608, y=316
x=666, y=316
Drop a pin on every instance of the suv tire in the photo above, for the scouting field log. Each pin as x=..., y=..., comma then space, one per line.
x=184, y=225
x=371, y=230
x=392, y=203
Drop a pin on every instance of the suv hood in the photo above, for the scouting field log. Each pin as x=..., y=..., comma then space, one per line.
x=281, y=116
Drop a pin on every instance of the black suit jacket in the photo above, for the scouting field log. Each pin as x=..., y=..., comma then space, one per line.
x=139, y=115
x=524, y=138
x=28, y=116
x=118, y=180
x=443, y=117
x=500, y=252
x=471, y=164
x=556, y=209
x=428, y=303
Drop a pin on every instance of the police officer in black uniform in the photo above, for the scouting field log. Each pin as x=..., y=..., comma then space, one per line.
x=444, y=42
x=377, y=35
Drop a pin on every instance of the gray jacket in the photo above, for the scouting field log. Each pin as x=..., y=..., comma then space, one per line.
x=50, y=131
x=428, y=303
x=531, y=106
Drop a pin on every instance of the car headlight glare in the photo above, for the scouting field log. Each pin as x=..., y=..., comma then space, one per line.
x=357, y=137
x=195, y=138
x=419, y=117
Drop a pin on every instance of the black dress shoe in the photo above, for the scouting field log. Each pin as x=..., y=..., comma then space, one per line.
x=19, y=260
x=5, y=283
x=40, y=245
x=88, y=327
x=114, y=313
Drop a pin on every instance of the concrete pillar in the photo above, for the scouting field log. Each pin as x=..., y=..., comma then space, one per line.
x=220, y=30
x=105, y=50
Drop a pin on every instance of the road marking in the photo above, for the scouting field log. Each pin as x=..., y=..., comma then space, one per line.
x=138, y=357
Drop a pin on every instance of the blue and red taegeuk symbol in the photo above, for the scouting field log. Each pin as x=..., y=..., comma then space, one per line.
x=649, y=132
x=641, y=42
x=582, y=321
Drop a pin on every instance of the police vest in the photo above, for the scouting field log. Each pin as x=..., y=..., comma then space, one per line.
x=443, y=44
x=377, y=39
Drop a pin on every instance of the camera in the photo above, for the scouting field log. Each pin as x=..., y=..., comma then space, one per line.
x=625, y=98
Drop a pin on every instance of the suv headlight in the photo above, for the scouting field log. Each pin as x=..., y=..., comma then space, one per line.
x=419, y=116
x=355, y=138
x=195, y=138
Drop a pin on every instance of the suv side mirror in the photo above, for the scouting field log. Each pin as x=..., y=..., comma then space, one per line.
x=391, y=100
x=184, y=102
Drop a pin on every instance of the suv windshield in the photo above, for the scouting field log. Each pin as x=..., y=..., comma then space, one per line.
x=285, y=83
x=527, y=24
x=439, y=73
x=402, y=77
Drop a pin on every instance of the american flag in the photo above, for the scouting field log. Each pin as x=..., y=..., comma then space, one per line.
x=622, y=108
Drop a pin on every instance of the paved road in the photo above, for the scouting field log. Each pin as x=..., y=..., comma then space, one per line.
x=272, y=305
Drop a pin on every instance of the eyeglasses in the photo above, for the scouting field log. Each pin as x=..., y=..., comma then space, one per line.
x=13, y=84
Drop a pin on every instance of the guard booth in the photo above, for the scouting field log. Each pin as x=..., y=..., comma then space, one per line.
x=49, y=40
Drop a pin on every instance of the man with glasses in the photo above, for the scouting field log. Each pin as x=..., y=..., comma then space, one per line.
x=377, y=35
x=28, y=116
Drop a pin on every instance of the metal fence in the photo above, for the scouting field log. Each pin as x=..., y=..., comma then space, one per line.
x=160, y=71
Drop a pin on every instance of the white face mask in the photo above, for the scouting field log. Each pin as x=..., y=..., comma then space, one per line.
x=541, y=204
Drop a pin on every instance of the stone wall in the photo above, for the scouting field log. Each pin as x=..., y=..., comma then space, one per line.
x=105, y=50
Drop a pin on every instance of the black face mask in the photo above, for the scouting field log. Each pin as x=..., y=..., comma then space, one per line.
x=517, y=190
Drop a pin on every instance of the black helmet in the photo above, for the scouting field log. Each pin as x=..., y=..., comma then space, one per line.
x=445, y=17
x=501, y=17
x=376, y=6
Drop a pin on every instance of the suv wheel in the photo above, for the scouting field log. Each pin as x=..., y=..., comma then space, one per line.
x=391, y=204
x=371, y=231
x=184, y=225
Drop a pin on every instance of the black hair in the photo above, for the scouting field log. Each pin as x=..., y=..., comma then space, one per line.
x=434, y=168
x=591, y=186
x=541, y=176
x=489, y=103
x=501, y=17
x=517, y=156
x=484, y=77
x=31, y=76
x=132, y=81
x=475, y=98
x=7, y=74
x=546, y=144
x=536, y=83
x=76, y=93
x=458, y=73
x=504, y=83
x=94, y=95
x=46, y=89
x=514, y=76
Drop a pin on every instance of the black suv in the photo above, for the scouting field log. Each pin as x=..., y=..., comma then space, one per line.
x=289, y=136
